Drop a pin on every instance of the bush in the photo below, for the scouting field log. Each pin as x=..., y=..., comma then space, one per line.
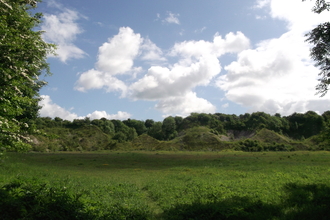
x=279, y=147
x=31, y=199
x=249, y=145
x=256, y=146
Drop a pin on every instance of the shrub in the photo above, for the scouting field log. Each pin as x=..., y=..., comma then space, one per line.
x=250, y=145
x=279, y=147
x=31, y=199
x=255, y=146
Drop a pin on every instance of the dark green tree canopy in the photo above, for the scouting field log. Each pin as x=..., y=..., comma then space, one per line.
x=149, y=123
x=320, y=52
x=139, y=126
x=23, y=56
x=156, y=131
x=169, y=127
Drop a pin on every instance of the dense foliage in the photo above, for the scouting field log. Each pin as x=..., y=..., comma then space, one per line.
x=320, y=52
x=22, y=60
x=197, y=131
x=31, y=199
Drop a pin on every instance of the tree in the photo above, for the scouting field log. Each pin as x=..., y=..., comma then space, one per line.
x=204, y=119
x=169, y=127
x=123, y=132
x=23, y=56
x=156, y=131
x=139, y=126
x=190, y=121
x=149, y=123
x=178, y=121
x=106, y=125
x=326, y=116
x=320, y=52
x=305, y=125
x=216, y=125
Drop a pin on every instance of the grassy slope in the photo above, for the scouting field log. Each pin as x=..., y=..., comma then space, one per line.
x=267, y=136
x=200, y=138
x=77, y=139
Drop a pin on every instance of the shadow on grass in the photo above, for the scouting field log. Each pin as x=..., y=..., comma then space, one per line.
x=310, y=201
x=29, y=199
x=300, y=202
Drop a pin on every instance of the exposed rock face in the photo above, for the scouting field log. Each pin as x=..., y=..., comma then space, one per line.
x=237, y=135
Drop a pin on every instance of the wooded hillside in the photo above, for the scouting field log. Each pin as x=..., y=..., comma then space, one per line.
x=199, y=131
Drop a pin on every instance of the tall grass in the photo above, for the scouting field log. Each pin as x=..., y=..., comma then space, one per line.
x=182, y=185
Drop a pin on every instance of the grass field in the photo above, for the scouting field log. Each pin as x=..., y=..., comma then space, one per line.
x=183, y=185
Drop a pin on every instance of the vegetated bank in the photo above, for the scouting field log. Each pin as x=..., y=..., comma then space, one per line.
x=199, y=131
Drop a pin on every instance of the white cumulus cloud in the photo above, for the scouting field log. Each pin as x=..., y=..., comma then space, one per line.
x=163, y=82
x=184, y=105
x=62, y=29
x=50, y=109
x=116, y=56
x=150, y=51
x=103, y=114
x=94, y=79
x=168, y=84
x=197, y=65
x=278, y=75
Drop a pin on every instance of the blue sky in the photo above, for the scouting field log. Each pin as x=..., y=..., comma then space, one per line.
x=150, y=59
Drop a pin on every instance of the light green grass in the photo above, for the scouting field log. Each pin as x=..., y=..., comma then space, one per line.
x=164, y=181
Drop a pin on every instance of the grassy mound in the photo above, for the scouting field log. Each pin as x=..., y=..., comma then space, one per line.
x=200, y=138
x=64, y=139
x=268, y=136
x=145, y=142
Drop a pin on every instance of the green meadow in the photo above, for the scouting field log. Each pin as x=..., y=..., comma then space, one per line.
x=168, y=185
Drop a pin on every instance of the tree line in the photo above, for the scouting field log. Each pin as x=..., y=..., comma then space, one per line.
x=297, y=125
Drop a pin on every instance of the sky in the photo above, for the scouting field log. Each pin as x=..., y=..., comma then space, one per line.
x=147, y=59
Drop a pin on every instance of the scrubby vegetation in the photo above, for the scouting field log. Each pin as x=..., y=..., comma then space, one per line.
x=249, y=132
